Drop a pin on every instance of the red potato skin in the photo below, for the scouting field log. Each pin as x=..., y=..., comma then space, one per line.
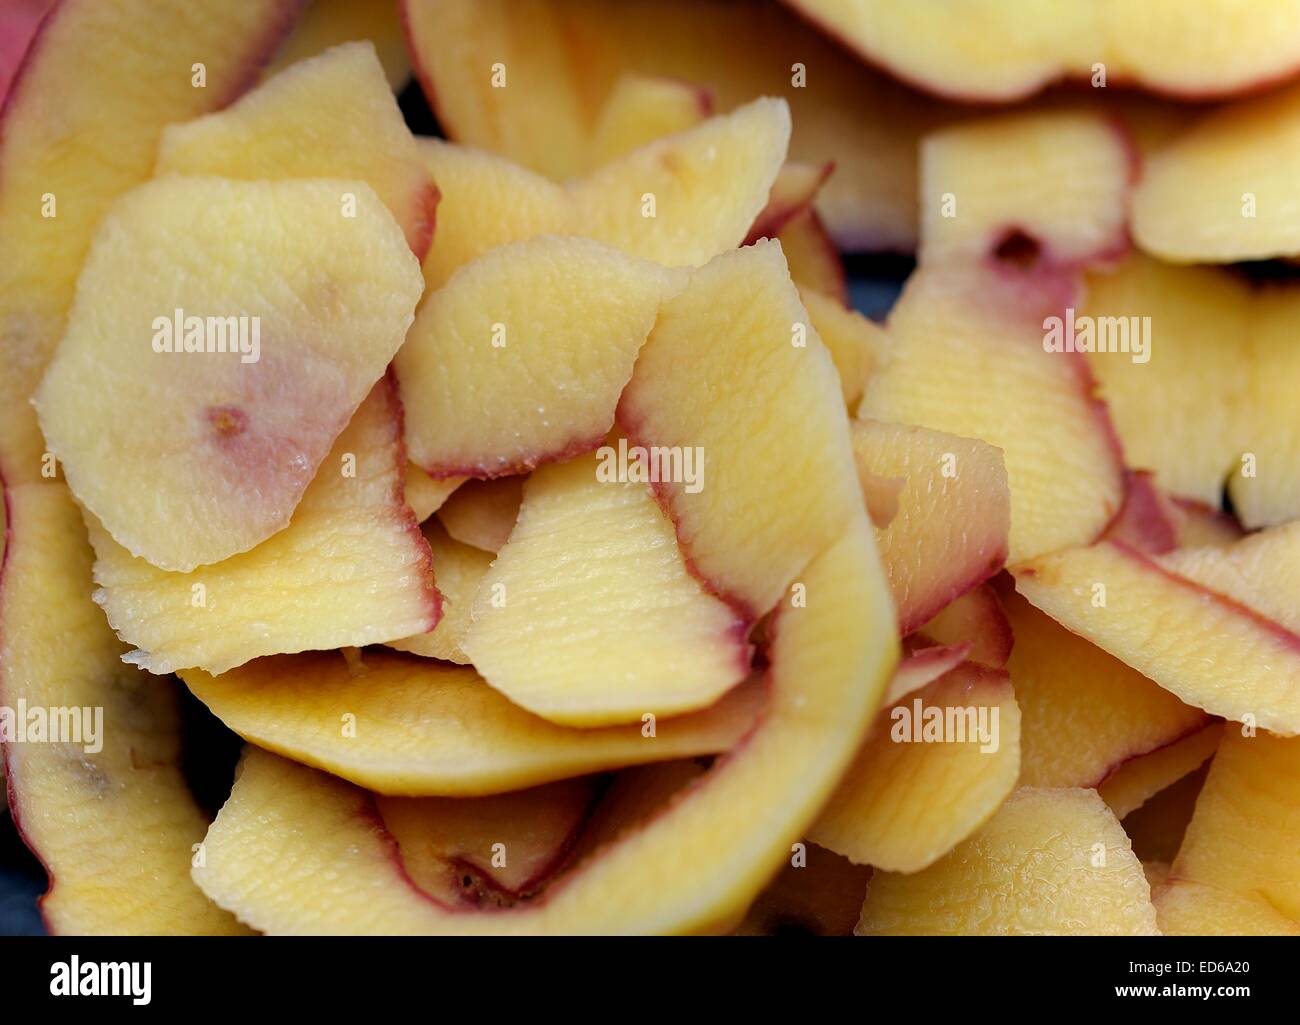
x=1147, y=519
x=25, y=58
x=394, y=399
x=705, y=102
x=20, y=21
x=427, y=219
x=1048, y=263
